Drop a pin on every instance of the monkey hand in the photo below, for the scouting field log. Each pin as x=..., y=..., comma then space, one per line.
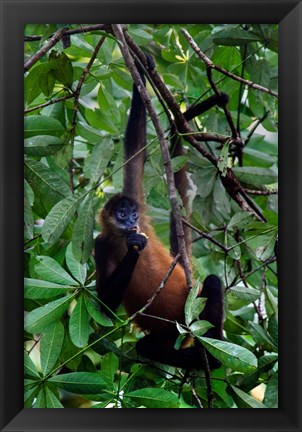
x=136, y=241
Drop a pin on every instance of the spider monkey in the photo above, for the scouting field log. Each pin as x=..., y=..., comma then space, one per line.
x=131, y=262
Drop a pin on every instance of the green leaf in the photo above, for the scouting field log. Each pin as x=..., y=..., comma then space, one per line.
x=51, y=346
x=30, y=394
x=204, y=179
x=234, y=248
x=199, y=328
x=180, y=329
x=223, y=160
x=42, y=125
x=31, y=83
x=62, y=67
x=221, y=199
x=105, y=100
x=29, y=367
x=110, y=365
x=263, y=243
x=28, y=218
x=243, y=400
x=82, y=236
x=79, y=271
x=273, y=328
x=255, y=175
x=234, y=37
x=154, y=398
x=194, y=305
x=90, y=133
x=178, y=162
x=271, y=302
x=47, y=82
x=42, y=145
x=50, y=270
x=239, y=220
x=261, y=336
x=231, y=355
x=79, y=324
x=239, y=296
x=271, y=392
x=59, y=217
x=95, y=313
x=100, y=156
x=80, y=382
x=39, y=289
x=44, y=182
x=234, y=325
x=249, y=381
x=51, y=399
x=258, y=158
x=40, y=400
x=38, y=319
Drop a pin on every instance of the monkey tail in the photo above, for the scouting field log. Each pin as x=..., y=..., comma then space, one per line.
x=135, y=141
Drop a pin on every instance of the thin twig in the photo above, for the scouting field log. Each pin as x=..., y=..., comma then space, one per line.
x=261, y=192
x=118, y=31
x=205, y=235
x=207, y=376
x=52, y=101
x=162, y=284
x=52, y=41
x=194, y=393
x=265, y=264
x=77, y=93
x=258, y=122
x=211, y=65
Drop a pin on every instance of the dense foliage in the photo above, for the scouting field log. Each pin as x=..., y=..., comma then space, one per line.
x=75, y=117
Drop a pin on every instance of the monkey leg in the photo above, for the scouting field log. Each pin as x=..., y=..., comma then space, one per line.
x=214, y=308
x=163, y=351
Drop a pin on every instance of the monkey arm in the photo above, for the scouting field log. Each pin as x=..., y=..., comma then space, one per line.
x=111, y=288
x=195, y=110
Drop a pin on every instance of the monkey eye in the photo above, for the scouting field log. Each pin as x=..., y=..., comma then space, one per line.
x=121, y=214
x=135, y=215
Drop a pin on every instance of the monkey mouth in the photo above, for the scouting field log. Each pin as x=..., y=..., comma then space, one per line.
x=133, y=229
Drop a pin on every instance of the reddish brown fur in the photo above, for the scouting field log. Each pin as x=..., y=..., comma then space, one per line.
x=150, y=270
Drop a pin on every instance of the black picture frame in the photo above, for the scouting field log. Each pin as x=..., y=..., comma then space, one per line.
x=14, y=15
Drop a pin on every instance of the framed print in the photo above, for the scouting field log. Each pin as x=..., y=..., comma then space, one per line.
x=152, y=266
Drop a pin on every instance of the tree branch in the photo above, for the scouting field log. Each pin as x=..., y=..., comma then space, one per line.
x=118, y=31
x=52, y=41
x=52, y=101
x=83, y=29
x=230, y=182
x=210, y=64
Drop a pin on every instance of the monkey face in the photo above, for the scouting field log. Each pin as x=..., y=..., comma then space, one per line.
x=126, y=215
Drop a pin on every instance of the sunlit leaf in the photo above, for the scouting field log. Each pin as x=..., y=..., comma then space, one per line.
x=51, y=345
x=154, y=398
x=80, y=382
x=38, y=319
x=231, y=355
